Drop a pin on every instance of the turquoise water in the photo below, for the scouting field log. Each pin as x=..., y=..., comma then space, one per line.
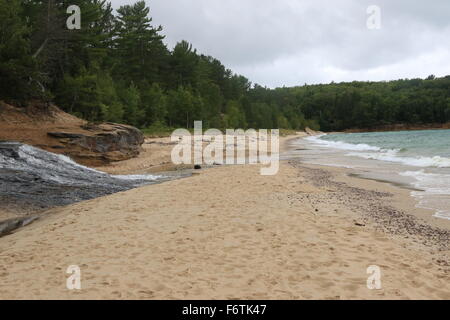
x=427, y=148
x=421, y=157
x=424, y=143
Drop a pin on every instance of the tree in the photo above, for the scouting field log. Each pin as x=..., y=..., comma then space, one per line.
x=80, y=96
x=130, y=98
x=234, y=117
x=154, y=104
x=19, y=79
x=112, y=107
x=138, y=46
x=117, y=68
x=183, y=64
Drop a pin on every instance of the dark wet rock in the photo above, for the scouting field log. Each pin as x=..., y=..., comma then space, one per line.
x=43, y=179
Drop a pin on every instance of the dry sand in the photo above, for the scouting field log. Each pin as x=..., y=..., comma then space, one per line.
x=155, y=157
x=229, y=233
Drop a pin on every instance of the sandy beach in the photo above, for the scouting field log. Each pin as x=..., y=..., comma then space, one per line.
x=210, y=152
x=308, y=232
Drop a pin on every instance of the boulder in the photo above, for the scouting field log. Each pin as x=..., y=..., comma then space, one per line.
x=101, y=143
x=47, y=127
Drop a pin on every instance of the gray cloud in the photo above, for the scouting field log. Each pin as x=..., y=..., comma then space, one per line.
x=292, y=42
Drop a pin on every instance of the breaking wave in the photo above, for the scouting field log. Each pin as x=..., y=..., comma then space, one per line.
x=392, y=156
x=341, y=145
x=377, y=153
x=433, y=191
x=427, y=150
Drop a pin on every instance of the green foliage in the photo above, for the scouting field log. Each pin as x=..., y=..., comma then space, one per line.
x=130, y=98
x=18, y=72
x=369, y=104
x=112, y=107
x=139, y=50
x=154, y=104
x=158, y=129
x=117, y=68
x=234, y=117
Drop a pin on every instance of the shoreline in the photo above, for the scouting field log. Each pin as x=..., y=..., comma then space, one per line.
x=399, y=127
x=401, y=192
x=309, y=232
x=398, y=206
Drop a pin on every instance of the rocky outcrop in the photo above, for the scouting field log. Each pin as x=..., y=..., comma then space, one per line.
x=34, y=179
x=101, y=143
x=47, y=127
x=311, y=132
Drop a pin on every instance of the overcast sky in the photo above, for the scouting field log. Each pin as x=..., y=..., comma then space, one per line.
x=293, y=42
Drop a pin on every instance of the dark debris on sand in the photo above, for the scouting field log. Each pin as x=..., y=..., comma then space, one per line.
x=374, y=207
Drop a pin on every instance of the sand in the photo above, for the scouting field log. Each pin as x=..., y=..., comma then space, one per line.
x=155, y=157
x=229, y=233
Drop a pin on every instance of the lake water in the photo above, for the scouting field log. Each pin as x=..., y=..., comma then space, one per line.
x=418, y=159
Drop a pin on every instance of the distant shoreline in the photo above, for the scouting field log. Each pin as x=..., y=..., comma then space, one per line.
x=401, y=127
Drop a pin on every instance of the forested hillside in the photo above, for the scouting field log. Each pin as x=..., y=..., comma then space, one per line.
x=117, y=68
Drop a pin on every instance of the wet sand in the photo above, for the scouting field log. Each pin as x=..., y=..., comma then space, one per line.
x=309, y=232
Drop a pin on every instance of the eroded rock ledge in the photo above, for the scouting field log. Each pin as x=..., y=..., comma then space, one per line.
x=101, y=143
x=47, y=127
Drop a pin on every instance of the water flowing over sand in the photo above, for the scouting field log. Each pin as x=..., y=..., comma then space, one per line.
x=39, y=178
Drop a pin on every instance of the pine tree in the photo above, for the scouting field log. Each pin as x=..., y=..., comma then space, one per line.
x=154, y=104
x=139, y=47
x=19, y=79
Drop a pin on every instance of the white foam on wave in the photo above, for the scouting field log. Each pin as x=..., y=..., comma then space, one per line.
x=377, y=153
x=434, y=191
x=433, y=188
x=432, y=183
x=341, y=145
x=392, y=156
